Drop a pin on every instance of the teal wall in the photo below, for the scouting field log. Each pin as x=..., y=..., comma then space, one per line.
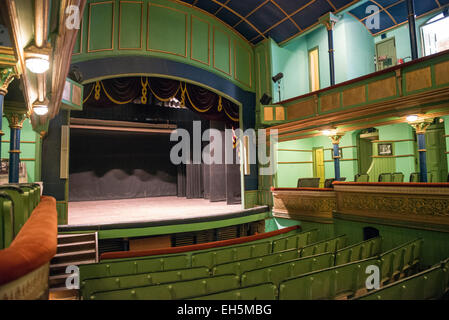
x=30, y=140
x=287, y=174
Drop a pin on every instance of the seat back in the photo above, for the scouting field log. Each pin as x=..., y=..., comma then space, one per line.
x=173, y=290
x=398, y=177
x=239, y=267
x=282, y=271
x=6, y=220
x=20, y=205
x=295, y=241
x=359, y=251
x=414, y=177
x=308, y=182
x=361, y=178
x=385, y=177
x=329, y=283
x=329, y=245
x=90, y=286
x=265, y=291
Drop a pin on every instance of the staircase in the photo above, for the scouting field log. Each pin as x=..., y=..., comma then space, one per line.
x=73, y=250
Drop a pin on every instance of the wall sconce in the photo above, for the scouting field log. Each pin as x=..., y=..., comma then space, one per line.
x=330, y=132
x=40, y=107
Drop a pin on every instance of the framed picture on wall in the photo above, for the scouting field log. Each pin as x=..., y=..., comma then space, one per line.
x=340, y=153
x=385, y=149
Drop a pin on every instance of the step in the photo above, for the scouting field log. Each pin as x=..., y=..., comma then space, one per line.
x=76, y=246
x=70, y=238
x=59, y=268
x=74, y=257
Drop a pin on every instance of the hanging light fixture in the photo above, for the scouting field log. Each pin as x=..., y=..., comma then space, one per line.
x=37, y=65
x=40, y=107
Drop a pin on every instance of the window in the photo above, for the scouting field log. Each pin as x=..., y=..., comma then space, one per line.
x=314, y=70
x=435, y=37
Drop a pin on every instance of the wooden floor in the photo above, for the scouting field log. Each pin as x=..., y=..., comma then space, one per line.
x=144, y=209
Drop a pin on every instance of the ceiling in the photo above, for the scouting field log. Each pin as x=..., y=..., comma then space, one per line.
x=394, y=12
x=282, y=20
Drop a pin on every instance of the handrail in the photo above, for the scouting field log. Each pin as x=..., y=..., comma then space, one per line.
x=301, y=189
x=394, y=184
x=365, y=77
x=35, y=244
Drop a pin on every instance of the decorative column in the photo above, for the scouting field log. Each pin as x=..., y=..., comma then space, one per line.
x=336, y=154
x=329, y=20
x=15, y=120
x=6, y=77
x=421, y=126
x=412, y=28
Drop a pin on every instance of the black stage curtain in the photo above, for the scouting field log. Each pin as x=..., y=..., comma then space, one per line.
x=106, y=165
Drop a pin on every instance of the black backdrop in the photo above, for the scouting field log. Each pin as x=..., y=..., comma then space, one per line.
x=106, y=165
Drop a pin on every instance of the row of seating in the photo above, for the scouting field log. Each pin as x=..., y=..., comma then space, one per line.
x=273, y=268
x=17, y=201
x=199, y=258
x=315, y=182
x=314, y=277
x=432, y=283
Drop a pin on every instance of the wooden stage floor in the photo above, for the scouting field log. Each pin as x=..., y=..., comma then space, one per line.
x=144, y=210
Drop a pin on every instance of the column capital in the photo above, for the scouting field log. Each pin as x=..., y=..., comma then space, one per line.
x=336, y=138
x=15, y=119
x=421, y=125
x=329, y=20
x=6, y=77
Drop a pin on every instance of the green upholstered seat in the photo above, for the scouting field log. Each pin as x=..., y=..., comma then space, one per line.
x=90, y=286
x=282, y=271
x=173, y=290
x=21, y=205
x=296, y=241
x=6, y=220
x=359, y=251
x=266, y=291
x=324, y=246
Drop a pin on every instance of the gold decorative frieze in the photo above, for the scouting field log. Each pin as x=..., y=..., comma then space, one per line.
x=15, y=119
x=311, y=205
x=426, y=204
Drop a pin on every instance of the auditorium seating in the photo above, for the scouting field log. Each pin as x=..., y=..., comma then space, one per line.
x=328, y=245
x=359, y=251
x=299, y=240
x=414, y=177
x=6, y=220
x=265, y=291
x=361, y=178
x=328, y=182
x=429, y=284
x=308, y=183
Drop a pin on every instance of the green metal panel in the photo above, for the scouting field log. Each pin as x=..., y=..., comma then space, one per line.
x=174, y=290
x=20, y=211
x=90, y=286
x=279, y=272
x=245, y=265
x=131, y=25
x=101, y=26
x=328, y=283
x=266, y=291
x=200, y=40
x=6, y=220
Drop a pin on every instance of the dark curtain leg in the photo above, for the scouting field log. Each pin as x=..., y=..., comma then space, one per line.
x=181, y=180
x=218, y=171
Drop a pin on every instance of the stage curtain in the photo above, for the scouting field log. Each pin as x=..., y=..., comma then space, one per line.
x=181, y=183
x=217, y=171
x=194, y=181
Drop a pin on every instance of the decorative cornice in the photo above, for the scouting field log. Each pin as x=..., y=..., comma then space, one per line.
x=6, y=77
x=421, y=125
x=15, y=119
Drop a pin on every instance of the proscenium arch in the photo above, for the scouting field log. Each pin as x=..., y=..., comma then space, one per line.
x=131, y=66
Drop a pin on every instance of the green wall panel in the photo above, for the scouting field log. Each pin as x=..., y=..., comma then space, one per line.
x=242, y=64
x=101, y=26
x=164, y=24
x=131, y=25
x=222, y=51
x=200, y=40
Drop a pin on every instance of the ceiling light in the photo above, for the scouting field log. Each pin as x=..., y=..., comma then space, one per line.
x=412, y=118
x=330, y=132
x=37, y=65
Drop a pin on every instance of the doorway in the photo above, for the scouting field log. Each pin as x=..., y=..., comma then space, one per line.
x=436, y=153
x=365, y=153
x=386, y=54
x=318, y=165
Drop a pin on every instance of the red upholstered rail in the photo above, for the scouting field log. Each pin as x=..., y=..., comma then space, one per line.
x=34, y=245
x=195, y=247
x=301, y=189
x=394, y=184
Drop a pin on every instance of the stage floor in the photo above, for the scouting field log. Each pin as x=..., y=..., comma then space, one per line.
x=145, y=210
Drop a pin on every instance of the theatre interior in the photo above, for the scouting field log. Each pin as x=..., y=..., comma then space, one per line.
x=346, y=197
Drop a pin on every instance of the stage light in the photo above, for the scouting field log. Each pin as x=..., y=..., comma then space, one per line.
x=412, y=118
x=40, y=108
x=37, y=65
x=266, y=99
x=277, y=77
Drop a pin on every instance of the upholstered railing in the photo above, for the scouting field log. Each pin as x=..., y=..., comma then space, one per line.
x=24, y=265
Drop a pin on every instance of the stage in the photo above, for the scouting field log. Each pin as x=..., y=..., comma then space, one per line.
x=156, y=209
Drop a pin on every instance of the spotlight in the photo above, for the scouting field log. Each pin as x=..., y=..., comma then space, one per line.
x=266, y=99
x=446, y=12
x=37, y=65
x=277, y=77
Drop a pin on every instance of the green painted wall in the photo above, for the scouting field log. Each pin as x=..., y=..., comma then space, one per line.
x=29, y=148
x=446, y=132
x=287, y=174
x=166, y=29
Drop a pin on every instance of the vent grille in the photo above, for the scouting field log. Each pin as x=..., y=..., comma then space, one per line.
x=227, y=233
x=183, y=239
x=112, y=245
